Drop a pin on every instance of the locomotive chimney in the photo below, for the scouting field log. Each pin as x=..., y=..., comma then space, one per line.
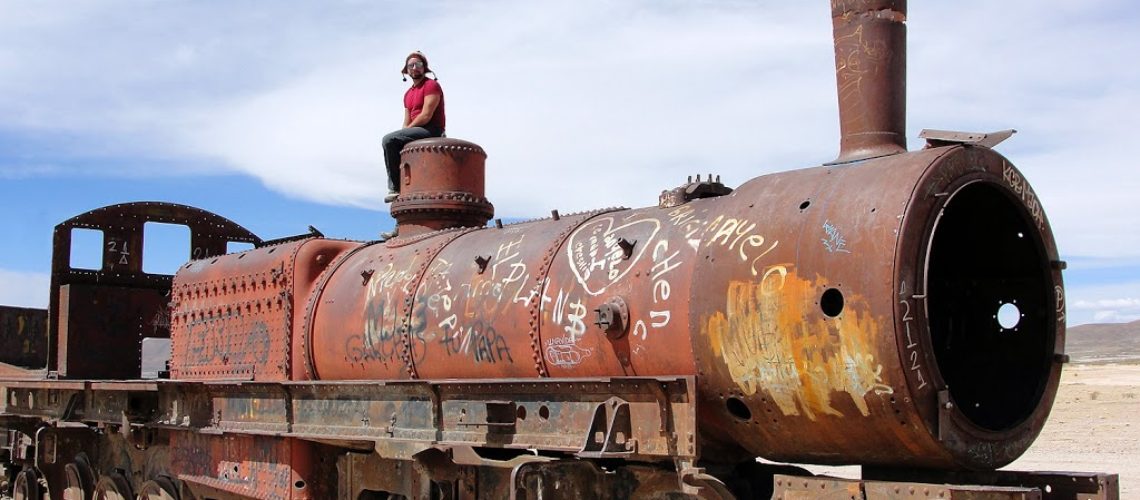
x=441, y=186
x=870, y=73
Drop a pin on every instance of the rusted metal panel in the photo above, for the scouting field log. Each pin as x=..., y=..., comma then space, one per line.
x=58, y=447
x=361, y=324
x=253, y=467
x=951, y=281
x=389, y=415
x=561, y=480
x=939, y=138
x=899, y=490
x=256, y=408
x=312, y=265
x=122, y=407
x=1052, y=485
x=795, y=487
x=359, y=472
x=441, y=187
x=796, y=305
x=126, y=385
x=870, y=71
x=479, y=307
x=109, y=403
x=820, y=488
x=637, y=257
x=801, y=302
x=232, y=316
x=637, y=418
x=51, y=402
x=23, y=336
x=398, y=412
x=122, y=227
x=658, y=418
x=101, y=329
x=828, y=327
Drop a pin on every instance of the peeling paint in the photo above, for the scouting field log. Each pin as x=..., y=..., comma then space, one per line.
x=774, y=339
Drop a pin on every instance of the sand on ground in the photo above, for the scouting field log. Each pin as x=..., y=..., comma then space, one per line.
x=1094, y=427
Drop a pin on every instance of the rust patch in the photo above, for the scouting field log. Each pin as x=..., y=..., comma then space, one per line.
x=23, y=336
x=773, y=338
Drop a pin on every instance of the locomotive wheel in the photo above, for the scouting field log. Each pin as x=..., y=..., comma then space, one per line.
x=160, y=488
x=80, y=479
x=27, y=486
x=112, y=486
x=711, y=488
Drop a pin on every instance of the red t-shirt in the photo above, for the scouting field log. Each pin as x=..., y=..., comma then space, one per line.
x=414, y=102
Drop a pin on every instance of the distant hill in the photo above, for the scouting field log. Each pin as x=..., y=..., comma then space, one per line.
x=1103, y=342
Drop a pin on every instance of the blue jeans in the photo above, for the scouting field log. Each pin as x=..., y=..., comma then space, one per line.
x=396, y=141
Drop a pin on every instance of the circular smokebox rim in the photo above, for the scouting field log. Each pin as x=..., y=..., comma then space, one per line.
x=1044, y=398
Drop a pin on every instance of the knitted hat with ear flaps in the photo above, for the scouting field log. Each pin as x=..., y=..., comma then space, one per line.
x=418, y=55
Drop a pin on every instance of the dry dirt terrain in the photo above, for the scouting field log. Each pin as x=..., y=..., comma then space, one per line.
x=1095, y=425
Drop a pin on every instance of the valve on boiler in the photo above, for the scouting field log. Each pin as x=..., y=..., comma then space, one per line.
x=613, y=318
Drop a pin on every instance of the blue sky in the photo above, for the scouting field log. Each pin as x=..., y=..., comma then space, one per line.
x=269, y=113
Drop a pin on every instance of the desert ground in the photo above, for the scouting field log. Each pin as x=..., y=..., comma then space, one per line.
x=1094, y=427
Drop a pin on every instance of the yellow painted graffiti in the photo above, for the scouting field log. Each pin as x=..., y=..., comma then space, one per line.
x=773, y=339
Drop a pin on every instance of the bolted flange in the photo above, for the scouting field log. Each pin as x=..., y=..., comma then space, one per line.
x=613, y=318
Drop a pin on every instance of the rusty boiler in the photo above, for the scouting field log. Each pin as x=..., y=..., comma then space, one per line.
x=838, y=314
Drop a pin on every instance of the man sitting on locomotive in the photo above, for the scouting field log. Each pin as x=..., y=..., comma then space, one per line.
x=423, y=117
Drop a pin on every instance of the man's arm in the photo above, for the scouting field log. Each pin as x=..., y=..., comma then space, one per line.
x=431, y=101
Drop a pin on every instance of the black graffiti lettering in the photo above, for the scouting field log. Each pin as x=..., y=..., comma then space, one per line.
x=479, y=341
x=219, y=341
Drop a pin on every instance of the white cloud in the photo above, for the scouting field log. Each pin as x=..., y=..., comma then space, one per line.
x=1107, y=303
x=609, y=101
x=1114, y=316
x=27, y=170
x=24, y=289
x=1103, y=303
x=548, y=107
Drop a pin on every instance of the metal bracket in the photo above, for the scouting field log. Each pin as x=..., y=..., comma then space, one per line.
x=481, y=263
x=610, y=437
x=698, y=483
x=692, y=190
x=945, y=405
x=938, y=138
x=497, y=416
x=626, y=247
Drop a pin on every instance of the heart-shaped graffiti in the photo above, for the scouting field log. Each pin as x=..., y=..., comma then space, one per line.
x=596, y=257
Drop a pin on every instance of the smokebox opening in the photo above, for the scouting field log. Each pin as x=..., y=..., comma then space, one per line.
x=990, y=306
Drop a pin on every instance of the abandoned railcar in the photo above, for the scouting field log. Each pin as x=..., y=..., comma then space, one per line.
x=846, y=313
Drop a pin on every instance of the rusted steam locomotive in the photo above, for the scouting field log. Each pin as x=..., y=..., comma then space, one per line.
x=842, y=314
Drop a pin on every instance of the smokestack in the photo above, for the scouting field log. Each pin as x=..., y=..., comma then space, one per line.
x=870, y=73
